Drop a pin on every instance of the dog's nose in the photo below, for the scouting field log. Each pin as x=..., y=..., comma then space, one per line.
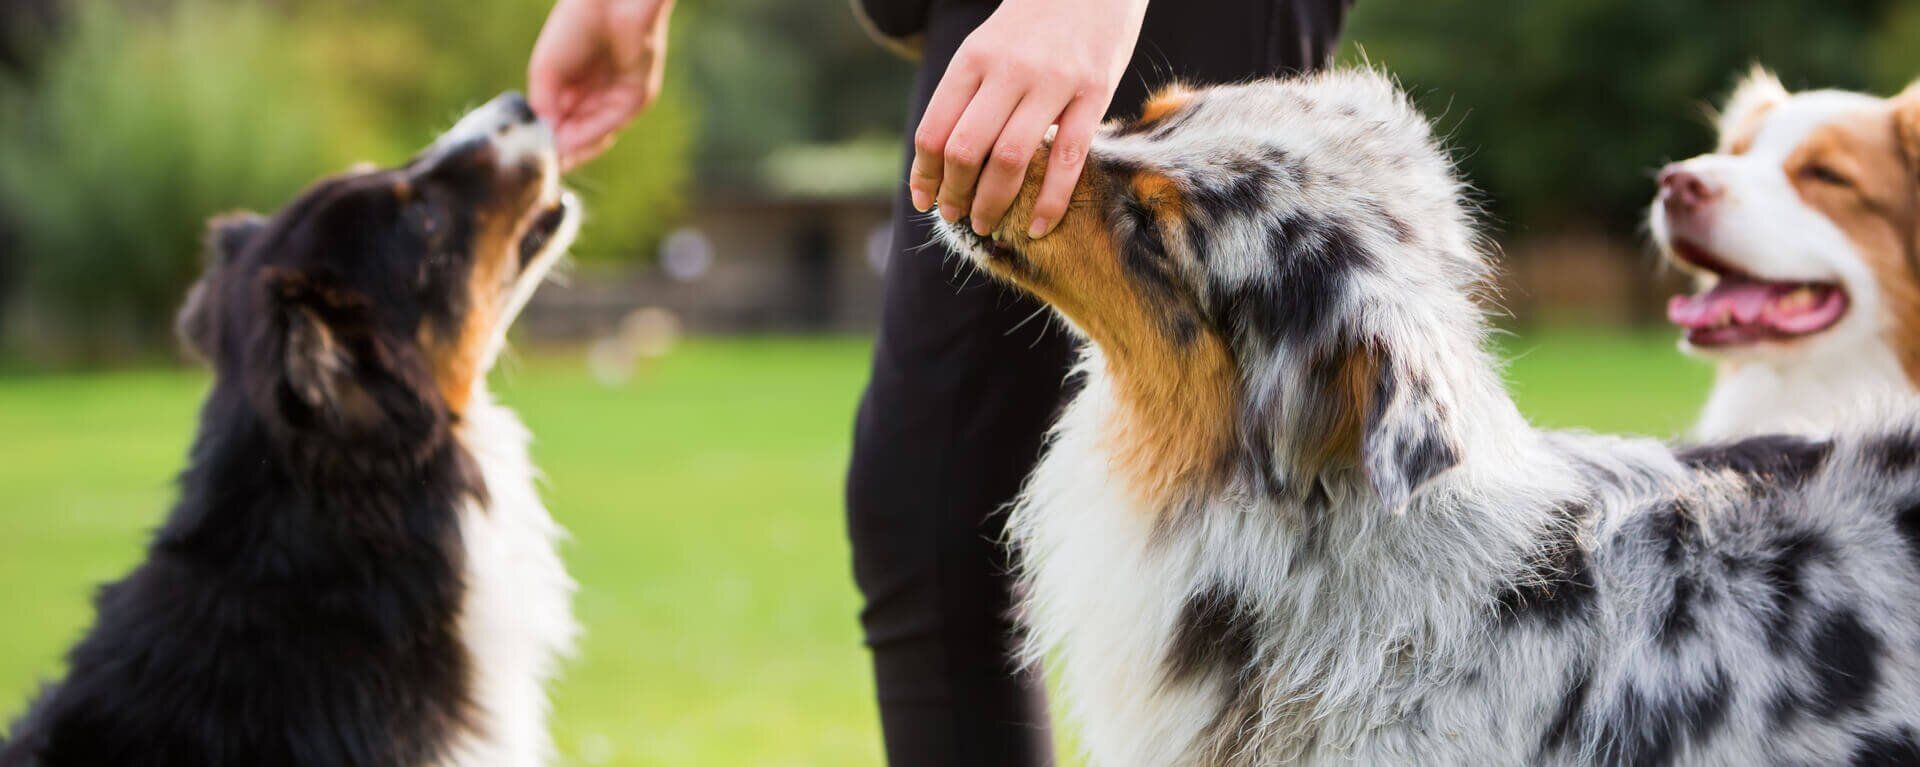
x=516, y=108
x=1684, y=191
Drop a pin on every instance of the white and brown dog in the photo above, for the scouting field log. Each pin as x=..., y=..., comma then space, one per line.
x=1802, y=228
x=1292, y=515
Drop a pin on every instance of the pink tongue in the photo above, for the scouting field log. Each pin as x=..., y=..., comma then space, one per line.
x=1744, y=301
x=1751, y=306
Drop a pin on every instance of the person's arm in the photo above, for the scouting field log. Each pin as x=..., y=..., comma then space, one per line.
x=597, y=65
x=1033, y=64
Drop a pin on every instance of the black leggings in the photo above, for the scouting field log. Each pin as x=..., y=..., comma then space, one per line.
x=966, y=380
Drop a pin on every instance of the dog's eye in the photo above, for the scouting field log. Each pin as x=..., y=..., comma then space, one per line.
x=1825, y=175
x=422, y=218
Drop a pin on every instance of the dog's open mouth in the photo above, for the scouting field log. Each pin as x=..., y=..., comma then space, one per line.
x=1739, y=308
x=540, y=234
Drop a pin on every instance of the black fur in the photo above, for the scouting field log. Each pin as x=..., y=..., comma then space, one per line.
x=1314, y=259
x=1680, y=621
x=1557, y=586
x=1843, y=655
x=1896, y=453
x=1425, y=456
x=1774, y=459
x=1634, y=729
x=1887, y=749
x=1782, y=573
x=1906, y=521
x=1566, y=716
x=1216, y=633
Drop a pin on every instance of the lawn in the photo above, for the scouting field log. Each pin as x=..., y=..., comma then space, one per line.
x=704, y=499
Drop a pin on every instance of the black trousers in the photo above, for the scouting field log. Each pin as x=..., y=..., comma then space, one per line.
x=965, y=382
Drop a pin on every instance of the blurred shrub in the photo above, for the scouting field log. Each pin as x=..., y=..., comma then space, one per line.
x=772, y=75
x=140, y=128
x=1563, y=109
x=146, y=118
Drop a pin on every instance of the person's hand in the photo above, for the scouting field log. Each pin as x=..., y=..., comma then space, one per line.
x=598, y=63
x=1032, y=65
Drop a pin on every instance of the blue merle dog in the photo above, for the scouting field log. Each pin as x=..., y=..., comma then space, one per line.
x=1292, y=515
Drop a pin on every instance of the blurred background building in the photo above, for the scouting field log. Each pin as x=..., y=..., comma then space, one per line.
x=753, y=198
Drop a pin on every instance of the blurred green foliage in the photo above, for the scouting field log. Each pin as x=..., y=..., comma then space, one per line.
x=145, y=118
x=775, y=74
x=137, y=132
x=1563, y=109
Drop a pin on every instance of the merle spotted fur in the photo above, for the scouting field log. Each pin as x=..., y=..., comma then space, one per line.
x=1464, y=588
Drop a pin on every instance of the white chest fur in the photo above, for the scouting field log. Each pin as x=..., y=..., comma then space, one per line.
x=518, y=618
x=1800, y=395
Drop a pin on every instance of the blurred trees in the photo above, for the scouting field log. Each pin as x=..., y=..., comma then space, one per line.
x=1563, y=109
x=776, y=75
x=145, y=116
x=138, y=129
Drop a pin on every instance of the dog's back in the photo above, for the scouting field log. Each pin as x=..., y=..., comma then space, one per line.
x=274, y=625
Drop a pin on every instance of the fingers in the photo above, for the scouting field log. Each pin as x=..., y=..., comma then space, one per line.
x=566, y=48
x=950, y=99
x=591, y=126
x=1006, y=166
x=596, y=66
x=1065, y=162
x=973, y=138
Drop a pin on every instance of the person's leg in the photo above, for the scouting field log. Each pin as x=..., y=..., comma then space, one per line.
x=967, y=376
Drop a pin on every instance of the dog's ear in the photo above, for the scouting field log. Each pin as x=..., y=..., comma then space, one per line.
x=227, y=237
x=1756, y=95
x=1906, y=125
x=1365, y=417
x=324, y=366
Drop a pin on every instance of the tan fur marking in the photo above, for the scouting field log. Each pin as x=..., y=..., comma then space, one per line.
x=1740, y=141
x=1159, y=193
x=1350, y=381
x=1879, y=153
x=1177, y=394
x=1746, y=110
x=458, y=363
x=1164, y=102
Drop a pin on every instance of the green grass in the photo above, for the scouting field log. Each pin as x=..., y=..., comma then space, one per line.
x=704, y=499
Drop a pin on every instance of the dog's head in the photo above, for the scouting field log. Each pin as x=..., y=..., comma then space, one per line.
x=380, y=297
x=1801, y=227
x=1247, y=261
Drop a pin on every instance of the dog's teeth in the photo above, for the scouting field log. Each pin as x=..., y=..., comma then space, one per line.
x=1801, y=299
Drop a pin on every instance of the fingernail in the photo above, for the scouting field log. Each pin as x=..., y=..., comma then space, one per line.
x=922, y=201
x=950, y=212
x=1037, y=229
x=980, y=227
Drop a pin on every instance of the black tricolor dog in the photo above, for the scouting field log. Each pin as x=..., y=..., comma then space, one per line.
x=358, y=571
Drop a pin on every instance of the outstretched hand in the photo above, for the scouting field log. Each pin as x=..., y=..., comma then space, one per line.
x=1034, y=64
x=596, y=66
